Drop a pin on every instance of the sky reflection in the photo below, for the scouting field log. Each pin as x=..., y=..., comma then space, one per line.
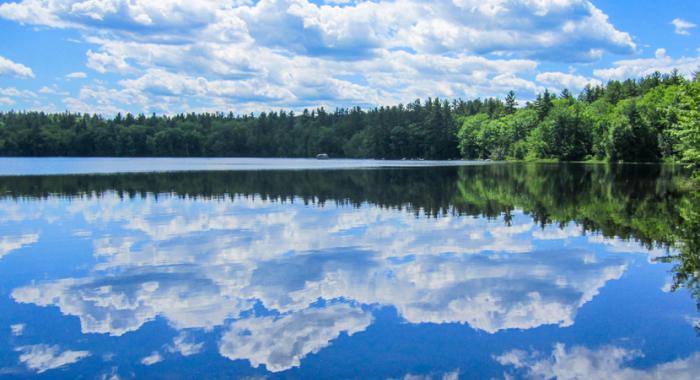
x=288, y=286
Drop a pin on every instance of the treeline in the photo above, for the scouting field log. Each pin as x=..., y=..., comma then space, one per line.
x=649, y=119
x=417, y=130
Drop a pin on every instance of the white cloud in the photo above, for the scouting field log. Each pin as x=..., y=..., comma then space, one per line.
x=17, y=329
x=11, y=91
x=76, y=75
x=100, y=99
x=43, y=357
x=7, y=67
x=151, y=359
x=607, y=362
x=281, y=342
x=661, y=62
x=9, y=96
x=106, y=62
x=52, y=90
x=185, y=345
x=560, y=81
x=110, y=14
x=245, y=56
x=682, y=27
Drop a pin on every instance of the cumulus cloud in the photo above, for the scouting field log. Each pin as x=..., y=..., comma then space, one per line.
x=43, y=357
x=682, y=27
x=14, y=92
x=661, y=62
x=8, y=67
x=607, y=362
x=281, y=342
x=250, y=56
x=560, y=81
x=114, y=14
x=10, y=95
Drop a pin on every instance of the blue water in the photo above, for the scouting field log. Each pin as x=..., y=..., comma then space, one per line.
x=111, y=280
x=105, y=165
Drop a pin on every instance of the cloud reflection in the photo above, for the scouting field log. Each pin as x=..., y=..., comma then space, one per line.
x=185, y=345
x=43, y=357
x=609, y=362
x=202, y=263
x=12, y=243
x=116, y=304
x=280, y=343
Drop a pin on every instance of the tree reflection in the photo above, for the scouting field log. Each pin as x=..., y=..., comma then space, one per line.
x=686, y=260
x=651, y=204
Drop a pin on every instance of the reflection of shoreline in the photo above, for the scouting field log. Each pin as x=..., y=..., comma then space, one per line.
x=628, y=201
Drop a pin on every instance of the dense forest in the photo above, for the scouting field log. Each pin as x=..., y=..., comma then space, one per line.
x=655, y=118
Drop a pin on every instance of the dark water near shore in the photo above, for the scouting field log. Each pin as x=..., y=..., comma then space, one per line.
x=463, y=271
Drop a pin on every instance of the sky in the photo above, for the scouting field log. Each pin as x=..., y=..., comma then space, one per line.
x=171, y=56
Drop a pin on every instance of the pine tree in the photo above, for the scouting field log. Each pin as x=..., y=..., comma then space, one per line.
x=511, y=103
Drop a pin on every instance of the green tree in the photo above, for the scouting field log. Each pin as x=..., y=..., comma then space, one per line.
x=511, y=102
x=688, y=128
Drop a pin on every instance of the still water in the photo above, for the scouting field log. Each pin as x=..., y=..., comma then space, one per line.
x=501, y=271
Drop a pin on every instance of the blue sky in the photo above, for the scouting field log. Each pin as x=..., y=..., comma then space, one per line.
x=170, y=56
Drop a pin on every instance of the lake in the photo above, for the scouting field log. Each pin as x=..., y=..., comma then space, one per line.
x=251, y=268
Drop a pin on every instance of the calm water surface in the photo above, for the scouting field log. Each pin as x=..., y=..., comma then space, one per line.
x=502, y=271
x=110, y=165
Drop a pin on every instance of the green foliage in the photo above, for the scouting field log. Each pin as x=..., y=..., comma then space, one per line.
x=419, y=130
x=687, y=131
x=646, y=120
x=566, y=132
x=631, y=139
x=470, y=145
x=659, y=110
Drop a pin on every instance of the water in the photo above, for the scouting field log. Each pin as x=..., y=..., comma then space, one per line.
x=10, y=166
x=478, y=271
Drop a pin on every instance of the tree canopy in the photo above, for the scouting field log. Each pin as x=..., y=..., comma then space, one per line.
x=650, y=119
